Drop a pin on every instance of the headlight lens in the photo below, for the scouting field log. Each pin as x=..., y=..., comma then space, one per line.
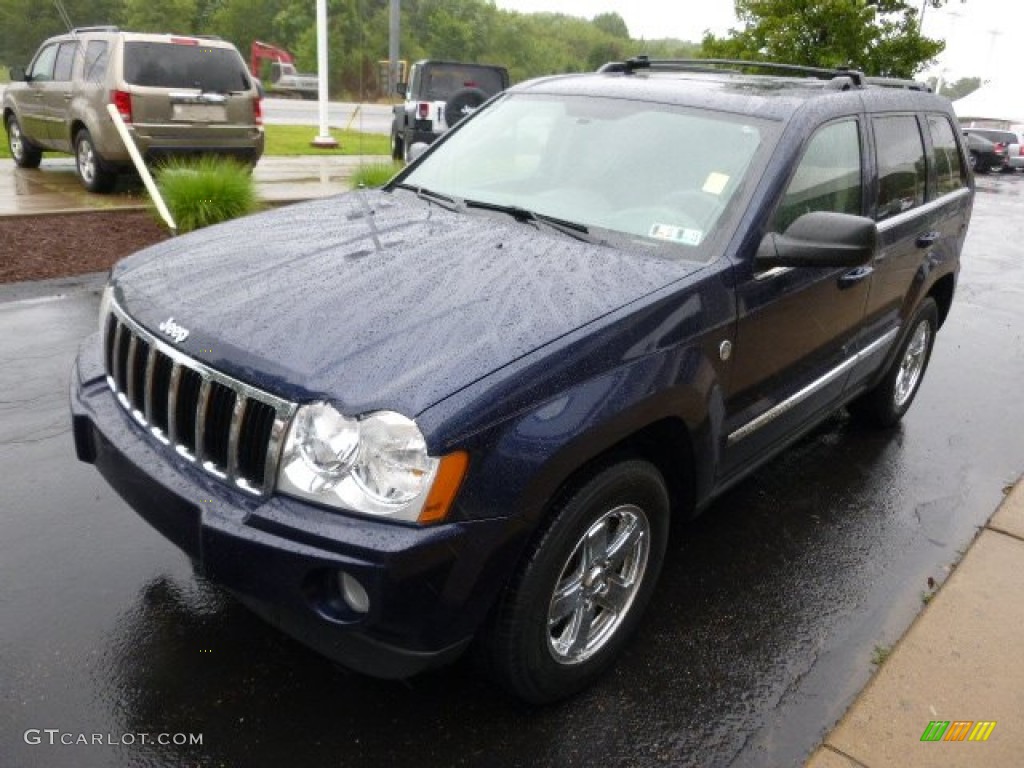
x=376, y=465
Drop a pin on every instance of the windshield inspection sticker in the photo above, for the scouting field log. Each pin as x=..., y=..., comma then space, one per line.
x=676, y=234
x=715, y=183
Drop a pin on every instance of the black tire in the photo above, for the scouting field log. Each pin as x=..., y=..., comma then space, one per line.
x=92, y=171
x=885, y=404
x=397, y=151
x=25, y=153
x=463, y=103
x=529, y=645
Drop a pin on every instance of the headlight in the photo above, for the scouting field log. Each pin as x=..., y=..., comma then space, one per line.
x=376, y=465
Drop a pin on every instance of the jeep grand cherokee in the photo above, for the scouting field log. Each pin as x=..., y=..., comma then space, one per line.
x=466, y=410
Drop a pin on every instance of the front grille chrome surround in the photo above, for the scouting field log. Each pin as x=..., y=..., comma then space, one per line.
x=228, y=428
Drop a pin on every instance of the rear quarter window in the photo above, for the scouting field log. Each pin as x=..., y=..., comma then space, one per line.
x=949, y=171
x=171, y=65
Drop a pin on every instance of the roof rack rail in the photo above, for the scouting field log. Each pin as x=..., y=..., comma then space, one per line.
x=629, y=66
x=896, y=82
x=105, y=28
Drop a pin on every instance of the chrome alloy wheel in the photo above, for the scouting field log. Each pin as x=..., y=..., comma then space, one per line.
x=912, y=364
x=598, y=584
x=15, y=140
x=86, y=157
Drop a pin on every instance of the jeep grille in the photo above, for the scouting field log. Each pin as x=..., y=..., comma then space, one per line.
x=231, y=430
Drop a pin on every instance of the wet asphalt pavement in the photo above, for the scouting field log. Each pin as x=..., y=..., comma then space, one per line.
x=760, y=634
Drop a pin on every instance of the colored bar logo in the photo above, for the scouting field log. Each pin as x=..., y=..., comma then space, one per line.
x=958, y=730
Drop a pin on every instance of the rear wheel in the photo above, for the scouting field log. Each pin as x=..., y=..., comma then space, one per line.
x=24, y=153
x=885, y=404
x=91, y=171
x=581, y=592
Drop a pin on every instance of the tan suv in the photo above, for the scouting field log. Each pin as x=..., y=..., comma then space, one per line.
x=178, y=95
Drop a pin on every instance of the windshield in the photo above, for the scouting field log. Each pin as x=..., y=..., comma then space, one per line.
x=171, y=65
x=660, y=175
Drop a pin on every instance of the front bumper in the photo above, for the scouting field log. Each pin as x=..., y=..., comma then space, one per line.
x=429, y=588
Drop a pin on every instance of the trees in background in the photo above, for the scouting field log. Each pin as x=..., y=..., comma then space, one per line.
x=879, y=37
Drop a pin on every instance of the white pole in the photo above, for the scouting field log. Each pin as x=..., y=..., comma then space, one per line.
x=140, y=166
x=324, y=139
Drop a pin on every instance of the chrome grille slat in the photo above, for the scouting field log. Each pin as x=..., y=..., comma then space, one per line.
x=148, y=392
x=200, y=422
x=129, y=385
x=172, y=404
x=233, y=431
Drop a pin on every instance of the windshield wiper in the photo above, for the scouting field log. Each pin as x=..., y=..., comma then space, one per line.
x=570, y=228
x=430, y=196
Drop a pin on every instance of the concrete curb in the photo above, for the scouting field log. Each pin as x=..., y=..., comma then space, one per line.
x=56, y=287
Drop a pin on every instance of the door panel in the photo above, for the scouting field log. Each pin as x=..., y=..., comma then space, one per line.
x=797, y=330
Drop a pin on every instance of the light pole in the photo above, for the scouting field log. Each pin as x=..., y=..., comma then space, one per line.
x=324, y=140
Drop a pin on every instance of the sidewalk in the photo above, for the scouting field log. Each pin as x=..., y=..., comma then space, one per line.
x=961, y=662
x=54, y=186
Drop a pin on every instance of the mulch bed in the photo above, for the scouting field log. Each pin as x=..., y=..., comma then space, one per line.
x=38, y=247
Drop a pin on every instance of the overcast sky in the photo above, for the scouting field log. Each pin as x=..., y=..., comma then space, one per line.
x=967, y=27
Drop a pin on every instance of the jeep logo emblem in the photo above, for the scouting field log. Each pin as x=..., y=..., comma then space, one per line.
x=174, y=330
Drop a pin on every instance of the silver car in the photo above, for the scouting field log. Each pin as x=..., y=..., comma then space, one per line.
x=178, y=95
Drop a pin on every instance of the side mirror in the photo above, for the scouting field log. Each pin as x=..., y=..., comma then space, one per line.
x=18, y=75
x=400, y=88
x=820, y=239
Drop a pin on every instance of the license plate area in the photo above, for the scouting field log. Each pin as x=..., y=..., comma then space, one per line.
x=199, y=113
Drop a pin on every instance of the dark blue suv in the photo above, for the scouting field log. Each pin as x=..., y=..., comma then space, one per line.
x=465, y=410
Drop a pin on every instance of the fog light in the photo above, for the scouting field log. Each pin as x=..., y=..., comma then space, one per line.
x=353, y=593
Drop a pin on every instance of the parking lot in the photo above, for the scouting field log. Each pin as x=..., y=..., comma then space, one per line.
x=761, y=632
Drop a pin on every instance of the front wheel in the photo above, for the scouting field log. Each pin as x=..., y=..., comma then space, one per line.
x=582, y=590
x=24, y=153
x=91, y=172
x=885, y=404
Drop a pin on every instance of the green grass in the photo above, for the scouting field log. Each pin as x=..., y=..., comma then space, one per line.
x=204, y=191
x=291, y=140
x=880, y=654
x=375, y=174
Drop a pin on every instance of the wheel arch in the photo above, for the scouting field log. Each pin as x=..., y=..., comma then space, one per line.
x=942, y=293
x=666, y=443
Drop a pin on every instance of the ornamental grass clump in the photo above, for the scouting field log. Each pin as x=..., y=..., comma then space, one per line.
x=206, y=190
x=374, y=175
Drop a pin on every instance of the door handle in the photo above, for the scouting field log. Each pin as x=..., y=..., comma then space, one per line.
x=854, y=276
x=928, y=239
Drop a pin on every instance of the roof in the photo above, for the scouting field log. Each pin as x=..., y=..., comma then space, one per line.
x=766, y=96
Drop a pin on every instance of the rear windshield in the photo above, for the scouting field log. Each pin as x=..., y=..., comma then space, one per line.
x=443, y=80
x=993, y=135
x=173, y=65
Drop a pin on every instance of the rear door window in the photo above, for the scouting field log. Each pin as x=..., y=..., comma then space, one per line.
x=65, y=62
x=96, y=57
x=174, y=65
x=902, y=172
x=949, y=172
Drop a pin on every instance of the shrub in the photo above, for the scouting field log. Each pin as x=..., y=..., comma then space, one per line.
x=206, y=190
x=374, y=174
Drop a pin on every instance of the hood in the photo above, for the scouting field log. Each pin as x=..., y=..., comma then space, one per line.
x=376, y=300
